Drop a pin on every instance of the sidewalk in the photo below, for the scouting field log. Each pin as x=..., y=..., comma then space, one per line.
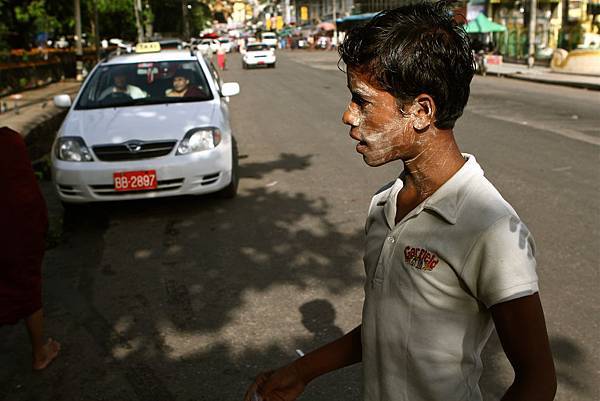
x=544, y=75
x=27, y=110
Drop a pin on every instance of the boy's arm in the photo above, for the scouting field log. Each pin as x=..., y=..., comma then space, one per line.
x=522, y=331
x=288, y=382
x=344, y=351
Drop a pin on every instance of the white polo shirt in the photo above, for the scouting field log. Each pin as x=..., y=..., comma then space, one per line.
x=133, y=91
x=430, y=282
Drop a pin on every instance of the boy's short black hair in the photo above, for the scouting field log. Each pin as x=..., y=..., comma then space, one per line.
x=415, y=49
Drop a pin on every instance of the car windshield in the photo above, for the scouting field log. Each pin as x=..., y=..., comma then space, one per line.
x=257, y=48
x=224, y=40
x=122, y=85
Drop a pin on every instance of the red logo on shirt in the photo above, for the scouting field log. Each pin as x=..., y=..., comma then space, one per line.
x=420, y=258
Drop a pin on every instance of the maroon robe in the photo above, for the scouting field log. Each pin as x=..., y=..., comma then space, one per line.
x=23, y=226
x=193, y=91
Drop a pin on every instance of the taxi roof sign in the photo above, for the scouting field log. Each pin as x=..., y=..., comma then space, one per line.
x=147, y=47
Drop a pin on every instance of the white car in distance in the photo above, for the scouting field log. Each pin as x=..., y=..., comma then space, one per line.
x=269, y=38
x=226, y=44
x=147, y=124
x=259, y=54
x=207, y=46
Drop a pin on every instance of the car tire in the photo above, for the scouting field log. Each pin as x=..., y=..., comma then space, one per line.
x=230, y=191
x=272, y=65
x=244, y=66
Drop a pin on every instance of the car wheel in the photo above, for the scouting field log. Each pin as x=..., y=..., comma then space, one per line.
x=244, y=66
x=230, y=191
x=272, y=65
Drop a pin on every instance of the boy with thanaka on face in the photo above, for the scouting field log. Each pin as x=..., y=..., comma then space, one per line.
x=446, y=257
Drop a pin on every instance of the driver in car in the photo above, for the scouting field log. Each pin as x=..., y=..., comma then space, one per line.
x=181, y=85
x=121, y=86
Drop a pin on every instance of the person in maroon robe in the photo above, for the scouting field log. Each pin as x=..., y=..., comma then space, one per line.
x=23, y=225
x=182, y=86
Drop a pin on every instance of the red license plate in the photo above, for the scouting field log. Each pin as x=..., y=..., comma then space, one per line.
x=261, y=62
x=135, y=180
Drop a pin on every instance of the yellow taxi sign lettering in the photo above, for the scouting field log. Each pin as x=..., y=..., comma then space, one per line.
x=147, y=47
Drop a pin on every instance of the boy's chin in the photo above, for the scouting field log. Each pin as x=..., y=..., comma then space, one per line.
x=373, y=163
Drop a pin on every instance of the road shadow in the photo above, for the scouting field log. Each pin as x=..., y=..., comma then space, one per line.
x=287, y=162
x=140, y=294
x=318, y=316
x=146, y=298
x=568, y=361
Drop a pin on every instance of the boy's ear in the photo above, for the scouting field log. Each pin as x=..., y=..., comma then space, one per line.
x=424, y=112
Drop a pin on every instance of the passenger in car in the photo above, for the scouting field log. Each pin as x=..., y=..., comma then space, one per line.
x=121, y=86
x=182, y=87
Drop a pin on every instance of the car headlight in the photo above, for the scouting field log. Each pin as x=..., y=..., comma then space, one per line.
x=72, y=149
x=199, y=139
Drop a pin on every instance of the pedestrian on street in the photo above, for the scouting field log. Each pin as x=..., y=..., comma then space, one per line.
x=446, y=257
x=221, y=57
x=23, y=226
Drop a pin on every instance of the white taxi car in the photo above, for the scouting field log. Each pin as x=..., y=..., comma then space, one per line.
x=269, y=38
x=208, y=46
x=259, y=54
x=147, y=124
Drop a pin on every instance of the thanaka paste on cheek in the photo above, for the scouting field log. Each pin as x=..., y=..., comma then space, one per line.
x=385, y=141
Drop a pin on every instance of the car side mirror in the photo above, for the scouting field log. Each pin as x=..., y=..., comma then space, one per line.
x=230, y=89
x=63, y=101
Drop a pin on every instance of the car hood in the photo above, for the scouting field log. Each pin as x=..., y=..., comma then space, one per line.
x=146, y=123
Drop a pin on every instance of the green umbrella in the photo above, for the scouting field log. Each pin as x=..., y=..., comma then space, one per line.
x=286, y=31
x=483, y=24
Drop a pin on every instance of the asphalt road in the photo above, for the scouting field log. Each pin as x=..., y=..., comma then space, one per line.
x=189, y=298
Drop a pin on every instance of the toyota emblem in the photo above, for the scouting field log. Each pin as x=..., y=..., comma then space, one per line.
x=134, y=146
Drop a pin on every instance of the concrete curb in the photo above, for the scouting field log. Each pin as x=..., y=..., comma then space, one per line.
x=573, y=84
x=530, y=78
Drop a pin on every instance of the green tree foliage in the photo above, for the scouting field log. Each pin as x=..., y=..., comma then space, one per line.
x=116, y=18
x=169, y=16
x=22, y=21
x=201, y=18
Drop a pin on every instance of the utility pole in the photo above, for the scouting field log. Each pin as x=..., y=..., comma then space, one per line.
x=565, y=25
x=137, y=9
x=97, y=33
x=78, y=47
x=186, y=21
x=286, y=4
x=532, y=24
x=335, y=32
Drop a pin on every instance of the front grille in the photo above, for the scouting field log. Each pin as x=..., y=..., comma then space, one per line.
x=162, y=185
x=133, y=150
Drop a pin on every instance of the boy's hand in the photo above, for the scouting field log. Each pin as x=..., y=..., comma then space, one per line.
x=283, y=384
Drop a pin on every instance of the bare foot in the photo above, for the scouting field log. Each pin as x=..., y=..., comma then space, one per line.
x=48, y=353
